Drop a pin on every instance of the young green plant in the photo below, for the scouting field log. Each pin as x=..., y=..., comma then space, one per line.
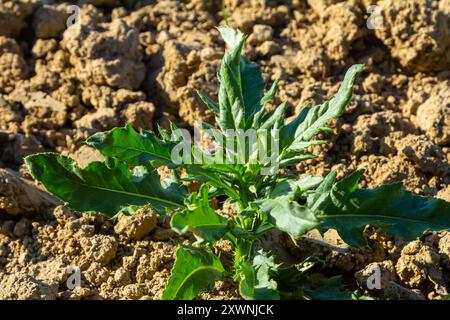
x=263, y=197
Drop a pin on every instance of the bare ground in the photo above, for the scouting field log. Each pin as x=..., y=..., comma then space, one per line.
x=140, y=62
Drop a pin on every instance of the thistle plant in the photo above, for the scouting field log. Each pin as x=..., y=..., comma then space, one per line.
x=264, y=197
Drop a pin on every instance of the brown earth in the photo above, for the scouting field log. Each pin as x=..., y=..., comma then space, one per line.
x=141, y=63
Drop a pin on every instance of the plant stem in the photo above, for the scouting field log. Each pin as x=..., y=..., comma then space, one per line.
x=242, y=253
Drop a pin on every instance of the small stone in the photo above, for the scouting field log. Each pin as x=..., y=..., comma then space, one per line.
x=63, y=214
x=395, y=291
x=163, y=37
x=444, y=194
x=134, y=291
x=312, y=62
x=96, y=274
x=209, y=54
x=162, y=234
x=418, y=262
x=22, y=228
x=373, y=83
x=268, y=48
x=433, y=116
x=122, y=276
x=7, y=227
x=260, y=34
x=140, y=114
x=385, y=270
x=129, y=262
x=101, y=119
x=49, y=21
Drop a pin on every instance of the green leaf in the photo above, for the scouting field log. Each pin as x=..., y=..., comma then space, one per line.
x=200, y=218
x=288, y=216
x=275, y=118
x=298, y=147
x=208, y=102
x=232, y=37
x=316, y=199
x=287, y=132
x=165, y=134
x=241, y=84
x=230, y=100
x=318, y=117
x=195, y=271
x=332, y=289
x=289, y=186
x=101, y=187
x=270, y=95
x=252, y=85
x=257, y=281
x=349, y=209
x=293, y=279
x=209, y=174
x=313, y=120
x=296, y=159
x=134, y=148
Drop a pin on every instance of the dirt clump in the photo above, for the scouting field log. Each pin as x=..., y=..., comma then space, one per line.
x=386, y=271
x=419, y=265
x=12, y=64
x=178, y=79
x=99, y=248
x=106, y=54
x=331, y=249
x=433, y=116
x=14, y=147
x=62, y=241
x=417, y=33
x=137, y=226
x=427, y=156
x=18, y=196
x=394, y=291
x=49, y=21
x=21, y=286
x=12, y=16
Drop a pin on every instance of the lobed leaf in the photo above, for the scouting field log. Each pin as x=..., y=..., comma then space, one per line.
x=241, y=84
x=195, y=271
x=252, y=86
x=103, y=187
x=215, y=176
x=275, y=118
x=348, y=209
x=293, y=279
x=313, y=120
x=318, y=117
x=290, y=186
x=288, y=215
x=200, y=218
x=132, y=147
x=331, y=289
x=214, y=107
x=257, y=281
